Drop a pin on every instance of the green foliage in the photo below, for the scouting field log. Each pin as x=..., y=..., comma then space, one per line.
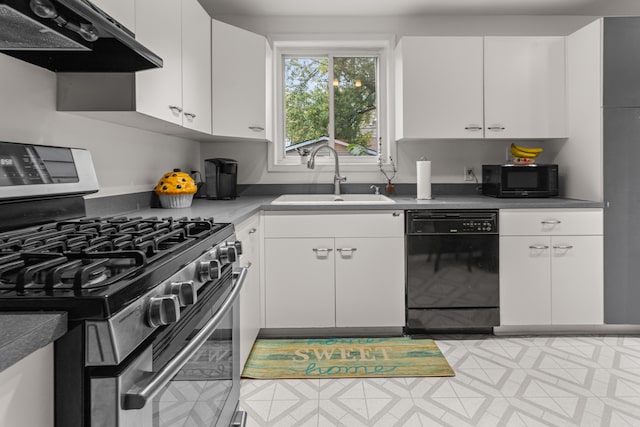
x=307, y=101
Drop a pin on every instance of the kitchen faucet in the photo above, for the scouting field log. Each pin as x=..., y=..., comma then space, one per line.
x=337, y=179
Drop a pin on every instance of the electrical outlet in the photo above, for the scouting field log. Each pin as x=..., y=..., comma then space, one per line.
x=468, y=173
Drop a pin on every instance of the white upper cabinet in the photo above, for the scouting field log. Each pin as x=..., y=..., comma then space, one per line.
x=159, y=91
x=475, y=87
x=440, y=87
x=196, y=67
x=240, y=86
x=524, y=87
x=179, y=92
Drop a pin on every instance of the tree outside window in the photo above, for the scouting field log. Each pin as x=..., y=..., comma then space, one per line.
x=331, y=99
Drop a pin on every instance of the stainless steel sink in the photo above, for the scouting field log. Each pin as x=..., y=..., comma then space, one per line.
x=332, y=199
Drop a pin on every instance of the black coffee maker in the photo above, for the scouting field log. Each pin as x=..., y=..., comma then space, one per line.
x=221, y=178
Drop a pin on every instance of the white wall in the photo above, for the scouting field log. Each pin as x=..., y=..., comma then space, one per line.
x=127, y=160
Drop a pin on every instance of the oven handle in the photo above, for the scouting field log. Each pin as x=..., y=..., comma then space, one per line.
x=138, y=396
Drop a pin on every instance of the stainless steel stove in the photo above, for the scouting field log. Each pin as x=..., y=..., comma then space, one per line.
x=152, y=302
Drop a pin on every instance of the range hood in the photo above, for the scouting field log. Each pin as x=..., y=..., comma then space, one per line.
x=70, y=36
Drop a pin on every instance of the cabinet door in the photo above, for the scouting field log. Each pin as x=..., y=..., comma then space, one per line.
x=250, y=302
x=442, y=87
x=524, y=90
x=196, y=67
x=525, y=280
x=299, y=275
x=577, y=280
x=239, y=82
x=26, y=391
x=370, y=282
x=159, y=91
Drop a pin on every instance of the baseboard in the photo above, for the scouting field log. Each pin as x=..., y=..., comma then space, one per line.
x=330, y=332
x=567, y=330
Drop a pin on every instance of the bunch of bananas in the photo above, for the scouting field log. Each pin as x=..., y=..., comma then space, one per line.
x=525, y=152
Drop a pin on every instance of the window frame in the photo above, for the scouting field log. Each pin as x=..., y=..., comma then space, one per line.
x=378, y=45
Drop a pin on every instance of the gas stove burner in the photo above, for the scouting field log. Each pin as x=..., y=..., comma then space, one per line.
x=27, y=271
x=90, y=253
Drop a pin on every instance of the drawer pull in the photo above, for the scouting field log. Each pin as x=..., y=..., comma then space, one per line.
x=539, y=247
x=323, y=250
x=346, y=251
x=550, y=222
x=396, y=214
x=563, y=247
x=252, y=231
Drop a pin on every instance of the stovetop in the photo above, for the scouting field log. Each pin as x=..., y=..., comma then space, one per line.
x=92, y=267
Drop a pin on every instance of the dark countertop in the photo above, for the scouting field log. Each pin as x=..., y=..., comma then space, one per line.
x=242, y=208
x=24, y=333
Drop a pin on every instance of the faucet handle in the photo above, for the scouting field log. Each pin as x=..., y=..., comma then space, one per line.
x=375, y=188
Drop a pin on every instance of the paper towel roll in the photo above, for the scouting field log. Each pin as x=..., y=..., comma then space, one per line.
x=423, y=179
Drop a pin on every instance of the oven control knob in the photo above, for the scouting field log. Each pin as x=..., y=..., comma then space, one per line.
x=238, y=245
x=185, y=291
x=228, y=253
x=163, y=310
x=209, y=270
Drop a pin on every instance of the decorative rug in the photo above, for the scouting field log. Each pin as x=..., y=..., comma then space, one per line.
x=346, y=358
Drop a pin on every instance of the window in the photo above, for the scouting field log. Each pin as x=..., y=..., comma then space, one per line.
x=331, y=92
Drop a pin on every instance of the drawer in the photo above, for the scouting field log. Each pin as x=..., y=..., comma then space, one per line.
x=536, y=222
x=334, y=224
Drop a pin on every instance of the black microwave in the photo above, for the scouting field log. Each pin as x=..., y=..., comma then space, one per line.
x=533, y=180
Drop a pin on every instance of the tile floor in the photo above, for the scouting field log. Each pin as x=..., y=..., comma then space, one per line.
x=515, y=381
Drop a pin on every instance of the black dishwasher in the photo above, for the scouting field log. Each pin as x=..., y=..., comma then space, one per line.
x=452, y=271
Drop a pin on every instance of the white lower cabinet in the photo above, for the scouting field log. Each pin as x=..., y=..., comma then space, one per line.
x=334, y=270
x=26, y=391
x=300, y=288
x=548, y=277
x=367, y=278
x=250, y=234
x=525, y=282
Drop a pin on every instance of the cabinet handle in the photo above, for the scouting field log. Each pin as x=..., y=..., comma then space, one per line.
x=349, y=250
x=496, y=128
x=550, y=222
x=252, y=231
x=190, y=115
x=396, y=214
x=321, y=250
x=563, y=247
x=175, y=109
x=540, y=247
x=473, y=127
x=256, y=128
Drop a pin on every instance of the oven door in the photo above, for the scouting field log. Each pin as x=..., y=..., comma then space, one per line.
x=189, y=375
